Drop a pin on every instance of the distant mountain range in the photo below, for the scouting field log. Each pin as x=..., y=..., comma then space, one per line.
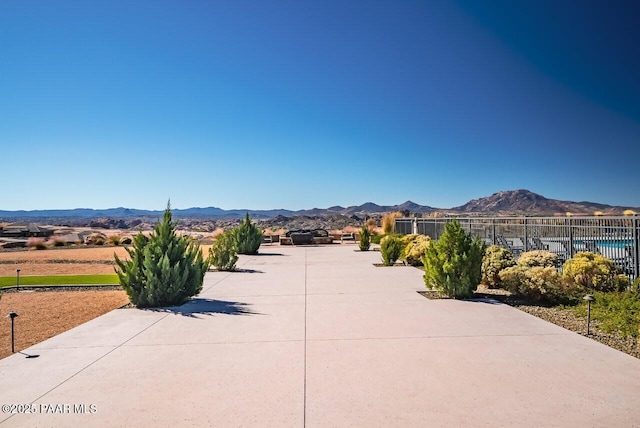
x=505, y=202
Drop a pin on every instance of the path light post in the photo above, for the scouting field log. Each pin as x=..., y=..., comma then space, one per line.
x=589, y=298
x=13, y=316
x=17, y=279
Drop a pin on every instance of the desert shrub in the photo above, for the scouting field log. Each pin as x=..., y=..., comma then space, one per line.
x=223, y=254
x=365, y=238
x=591, y=271
x=164, y=269
x=615, y=312
x=453, y=263
x=95, y=239
x=541, y=258
x=389, y=222
x=376, y=238
x=37, y=243
x=248, y=237
x=494, y=261
x=635, y=287
x=114, y=239
x=391, y=249
x=56, y=241
x=415, y=249
x=126, y=240
x=538, y=283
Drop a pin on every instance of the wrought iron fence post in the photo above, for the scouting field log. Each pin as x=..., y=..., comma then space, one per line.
x=493, y=230
x=526, y=236
x=570, y=238
x=636, y=245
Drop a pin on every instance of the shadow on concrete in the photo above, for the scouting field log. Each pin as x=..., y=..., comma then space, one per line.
x=486, y=300
x=200, y=306
x=248, y=271
x=269, y=254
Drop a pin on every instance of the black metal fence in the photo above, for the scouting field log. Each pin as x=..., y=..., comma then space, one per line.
x=615, y=237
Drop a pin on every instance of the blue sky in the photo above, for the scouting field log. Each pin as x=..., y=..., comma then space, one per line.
x=290, y=104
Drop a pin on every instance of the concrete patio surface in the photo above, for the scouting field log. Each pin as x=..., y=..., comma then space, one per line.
x=319, y=337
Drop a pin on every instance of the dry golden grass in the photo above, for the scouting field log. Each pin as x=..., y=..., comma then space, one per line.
x=64, y=253
x=65, y=261
x=42, y=315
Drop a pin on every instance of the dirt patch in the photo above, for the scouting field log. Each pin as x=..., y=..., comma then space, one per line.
x=46, y=314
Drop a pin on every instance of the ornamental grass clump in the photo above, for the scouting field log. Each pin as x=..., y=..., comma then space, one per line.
x=389, y=222
x=248, y=237
x=453, y=263
x=164, y=269
x=224, y=253
x=495, y=260
x=390, y=249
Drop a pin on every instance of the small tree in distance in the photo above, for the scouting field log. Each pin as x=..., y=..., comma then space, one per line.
x=390, y=249
x=224, y=254
x=365, y=238
x=248, y=237
x=164, y=269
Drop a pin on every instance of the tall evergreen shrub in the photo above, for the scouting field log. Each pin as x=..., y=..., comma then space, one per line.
x=365, y=238
x=248, y=237
x=390, y=249
x=164, y=269
x=453, y=264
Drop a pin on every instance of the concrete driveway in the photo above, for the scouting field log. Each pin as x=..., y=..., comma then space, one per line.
x=319, y=337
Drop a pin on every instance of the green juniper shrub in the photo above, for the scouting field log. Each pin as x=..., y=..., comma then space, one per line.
x=164, y=269
x=415, y=249
x=248, y=237
x=615, y=312
x=494, y=261
x=453, y=263
x=376, y=238
x=224, y=253
x=391, y=249
x=365, y=238
x=592, y=271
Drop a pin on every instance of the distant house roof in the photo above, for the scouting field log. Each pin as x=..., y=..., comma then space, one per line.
x=18, y=229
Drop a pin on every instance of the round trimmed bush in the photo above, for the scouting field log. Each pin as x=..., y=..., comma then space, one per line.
x=494, y=261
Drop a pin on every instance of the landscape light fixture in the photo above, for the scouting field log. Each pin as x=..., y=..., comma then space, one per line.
x=13, y=316
x=589, y=298
x=18, y=279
